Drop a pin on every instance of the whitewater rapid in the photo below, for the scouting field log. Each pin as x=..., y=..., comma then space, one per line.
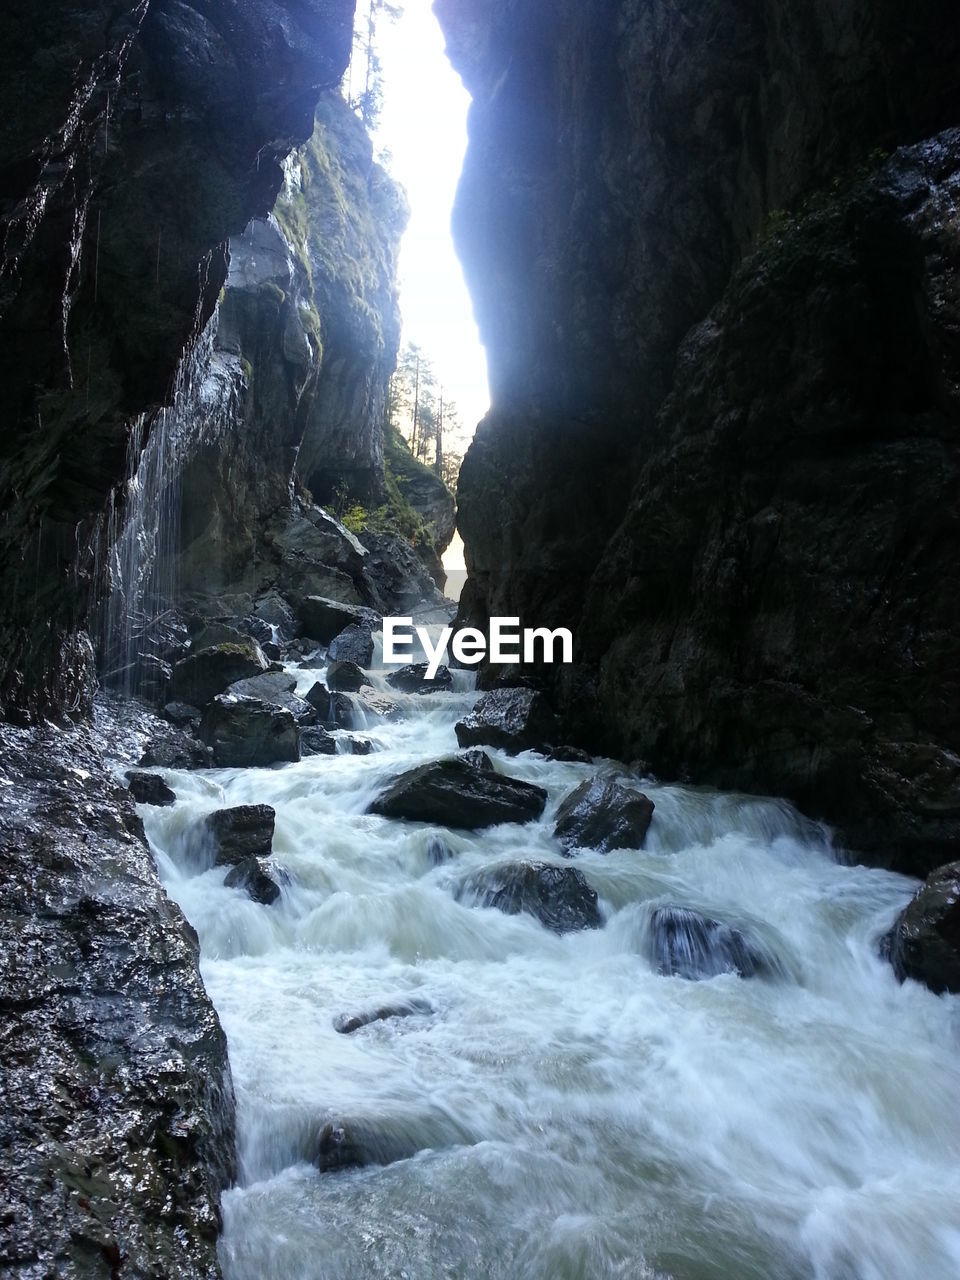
x=580, y=1115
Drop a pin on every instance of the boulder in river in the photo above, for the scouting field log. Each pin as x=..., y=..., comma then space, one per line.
x=513, y=719
x=333, y=708
x=413, y=679
x=602, y=814
x=452, y=794
x=245, y=732
x=324, y=618
x=477, y=759
x=372, y=702
x=200, y=676
x=925, y=941
x=354, y=746
x=278, y=689
x=685, y=943
x=245, y=831
x=347, y=1023
x=346, y=677
x=316, y=741
x=352, y=644
x=149, y=788
x=253, y=876
x=559, y=897
x=171, y=748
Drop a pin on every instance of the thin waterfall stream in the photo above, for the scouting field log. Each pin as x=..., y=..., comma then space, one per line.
x=563, y=1107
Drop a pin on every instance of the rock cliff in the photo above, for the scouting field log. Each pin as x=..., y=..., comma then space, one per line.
x=749, y=527
x=136, y=138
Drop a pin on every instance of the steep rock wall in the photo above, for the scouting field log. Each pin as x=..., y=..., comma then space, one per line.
x=136, y=138
x=623, y=159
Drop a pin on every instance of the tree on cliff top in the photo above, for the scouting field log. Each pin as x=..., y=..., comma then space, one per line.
x=364, y=87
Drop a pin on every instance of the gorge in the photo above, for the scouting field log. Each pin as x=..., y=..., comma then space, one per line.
x=617, y=966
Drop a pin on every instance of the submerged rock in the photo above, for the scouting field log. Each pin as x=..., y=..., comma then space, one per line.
x=253, y=876
x=200, y=676
x=354, y=644
x=559, y=897
x=569, y=755
x=413, y=679
x=346, y=677
x=925, y=941
x=324, y=618
x=687, y=944
x=244, y=732
x=149, y=788
x=242, y=832
x=513, y=719
x=603, y=815
x=347, y=1023
x=452, y=794
x=351, y=1145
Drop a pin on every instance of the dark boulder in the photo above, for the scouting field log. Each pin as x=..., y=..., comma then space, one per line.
x=200, y=676
x=255, y=879
x=453, y=794
x=347, y=1023
x=324, y=618
x=316, y=741
x=357, y=746
x=168, y=747
x=352, y=644
x=477, y=759
x=925, y=941
x=569, y=755
x=346, y=677
x=276, y=688
x=559, y=897
x=333, y=708
x=687, y=944
x=150, y=788
x=244, y=732
x=182, y=714
x=603, y=815
x=278, y=615
x=513, y=719
x=413, y=679
x=245, y=831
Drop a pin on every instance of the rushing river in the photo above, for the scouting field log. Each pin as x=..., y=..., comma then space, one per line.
x=579, y=1114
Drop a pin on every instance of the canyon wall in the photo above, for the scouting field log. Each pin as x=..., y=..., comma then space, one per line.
x=748, y=519
x=136, y=139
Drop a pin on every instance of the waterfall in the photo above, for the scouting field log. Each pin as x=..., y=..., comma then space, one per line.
x=142, y=533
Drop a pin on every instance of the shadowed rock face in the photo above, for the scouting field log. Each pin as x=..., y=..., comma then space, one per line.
x=754, y=564
x=135, y=138
x=116, y=1132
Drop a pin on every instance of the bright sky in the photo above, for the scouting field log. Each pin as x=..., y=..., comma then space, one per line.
x=423, y=126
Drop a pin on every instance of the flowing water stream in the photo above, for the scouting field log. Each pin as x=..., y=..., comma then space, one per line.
x=577, y=1114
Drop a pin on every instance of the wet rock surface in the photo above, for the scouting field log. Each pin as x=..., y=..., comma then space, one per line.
x=354, y=644
x=925, y=941
x=116, y=1133
x=413, y=679
x=559, y=897
x=602, y=814
x=324, y=618
x=316, y=741
x=241, y=832
x=169, y=747
x=453, y=794
x=149, y=788
x=256, y=879
x=354, y=1144
x=199, y=677
x=684, y=943
x=246, y=733
x=346, y=677
x=512, y=719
